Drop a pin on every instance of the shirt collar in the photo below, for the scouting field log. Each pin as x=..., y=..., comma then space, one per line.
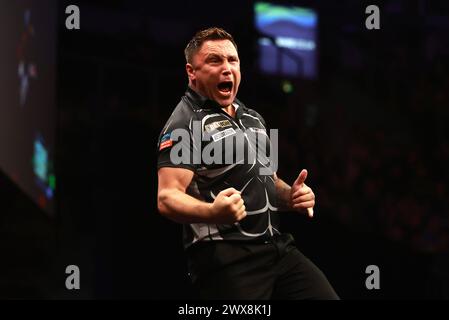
x=201, y=102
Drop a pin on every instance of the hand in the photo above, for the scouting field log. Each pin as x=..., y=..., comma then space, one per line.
x=302, y=197
x=228, y=207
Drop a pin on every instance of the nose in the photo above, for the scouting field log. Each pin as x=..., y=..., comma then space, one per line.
x=226, y=67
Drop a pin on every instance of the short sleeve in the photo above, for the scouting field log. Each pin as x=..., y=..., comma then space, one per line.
x=175, y=143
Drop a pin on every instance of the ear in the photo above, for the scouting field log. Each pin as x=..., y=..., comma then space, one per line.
x=190, y=72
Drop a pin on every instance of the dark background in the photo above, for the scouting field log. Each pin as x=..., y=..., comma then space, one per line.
x=372, y=131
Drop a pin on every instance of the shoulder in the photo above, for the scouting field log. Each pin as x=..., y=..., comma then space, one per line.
x=252, y=113
x=183, y=110
x=180, y=117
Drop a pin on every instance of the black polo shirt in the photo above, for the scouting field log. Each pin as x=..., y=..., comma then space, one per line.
x=221, y=151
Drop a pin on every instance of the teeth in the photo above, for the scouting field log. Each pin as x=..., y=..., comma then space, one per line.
x=225, y=86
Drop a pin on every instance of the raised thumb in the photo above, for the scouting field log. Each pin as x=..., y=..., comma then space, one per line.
x=302, y=177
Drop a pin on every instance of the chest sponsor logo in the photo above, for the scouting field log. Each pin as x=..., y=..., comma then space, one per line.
x=223, y=134
x=217, y=124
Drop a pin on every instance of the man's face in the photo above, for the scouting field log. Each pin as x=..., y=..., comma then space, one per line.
x=215, y=71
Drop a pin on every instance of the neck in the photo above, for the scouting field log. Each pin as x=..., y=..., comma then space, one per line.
x=230, y=110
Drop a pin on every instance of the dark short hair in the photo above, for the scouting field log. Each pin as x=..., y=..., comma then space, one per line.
x=200, y=37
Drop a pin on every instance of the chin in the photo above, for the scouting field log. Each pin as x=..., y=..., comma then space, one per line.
x=225, y=102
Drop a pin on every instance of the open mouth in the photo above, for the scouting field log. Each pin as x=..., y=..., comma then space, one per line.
x=225, y=86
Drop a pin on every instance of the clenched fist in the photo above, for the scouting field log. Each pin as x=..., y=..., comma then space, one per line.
x=228, y=207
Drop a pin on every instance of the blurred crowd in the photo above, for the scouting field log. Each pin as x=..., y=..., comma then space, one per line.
x=377, y=146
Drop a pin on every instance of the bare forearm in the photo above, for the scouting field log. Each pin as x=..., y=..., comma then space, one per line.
x=182, y=208
x=283, y=194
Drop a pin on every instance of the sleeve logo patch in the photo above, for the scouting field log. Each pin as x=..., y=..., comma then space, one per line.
x=165, y=141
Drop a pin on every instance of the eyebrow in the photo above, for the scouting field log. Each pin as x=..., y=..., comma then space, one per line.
x=216, y=55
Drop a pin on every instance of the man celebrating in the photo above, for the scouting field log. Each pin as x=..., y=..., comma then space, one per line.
x=229, y=208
